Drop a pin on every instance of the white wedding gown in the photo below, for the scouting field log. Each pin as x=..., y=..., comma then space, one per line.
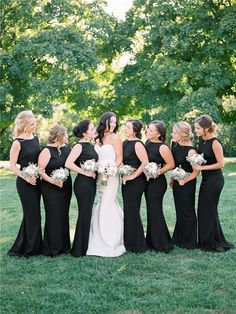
x=106, y=229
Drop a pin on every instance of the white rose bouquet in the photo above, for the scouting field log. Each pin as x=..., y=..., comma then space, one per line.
x=196, y=159
x=126, y=170
x=31, y=171
x=60, y=175
x=151, y=170
x=89, y=165
x=107, y=169
x=179, y=173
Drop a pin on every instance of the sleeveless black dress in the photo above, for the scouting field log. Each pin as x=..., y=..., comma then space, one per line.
x=56, y=202
x=210, y=235
x=185, y=232
x=85, y=191
x=29, y=239
x=132, y=191
x=157, y=237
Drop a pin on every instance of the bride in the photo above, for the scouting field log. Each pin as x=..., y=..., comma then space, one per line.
x=106, y=230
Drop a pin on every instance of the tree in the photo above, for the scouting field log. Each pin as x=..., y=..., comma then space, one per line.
x=183, y=59
x=49, y=54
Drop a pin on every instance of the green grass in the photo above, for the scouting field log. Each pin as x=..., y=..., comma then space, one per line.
x=183, y=281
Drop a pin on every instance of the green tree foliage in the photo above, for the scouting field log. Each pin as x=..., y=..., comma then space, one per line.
x=50, y=50
x=183, y=62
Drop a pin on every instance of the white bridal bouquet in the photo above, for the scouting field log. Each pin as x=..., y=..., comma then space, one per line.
x=60, y=175
x=31, y=171
x=151, y=170
x=89, y=165
x=196, y=159
x=107, y=169
x=178, y=173
x=126, y=170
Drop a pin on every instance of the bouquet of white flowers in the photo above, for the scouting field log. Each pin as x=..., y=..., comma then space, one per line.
x=89, y=165
x=126, y=170
x=60, y=175
x=196, y=159
x=107, y=169
x=151, y=170
x=32, y=171
x=178, y=173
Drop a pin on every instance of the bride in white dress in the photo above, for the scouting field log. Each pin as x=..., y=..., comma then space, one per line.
x=106, y=230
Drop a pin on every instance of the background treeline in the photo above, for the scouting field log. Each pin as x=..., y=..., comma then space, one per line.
x=69, y=59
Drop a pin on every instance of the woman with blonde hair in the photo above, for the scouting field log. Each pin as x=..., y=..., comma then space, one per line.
x=185, y=232
x=210, y=234
x=56, y=193
x=24, y=151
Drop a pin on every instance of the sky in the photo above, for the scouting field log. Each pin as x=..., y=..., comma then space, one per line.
x=119, y=7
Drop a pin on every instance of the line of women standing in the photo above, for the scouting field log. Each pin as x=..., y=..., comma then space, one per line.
x=109, y=230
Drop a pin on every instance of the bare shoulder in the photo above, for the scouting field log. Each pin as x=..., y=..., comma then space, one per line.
x=115, y=138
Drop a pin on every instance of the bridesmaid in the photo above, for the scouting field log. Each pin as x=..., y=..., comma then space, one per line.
x=185, y=232
x=56, y=195
x=157, y=237
x=210, y=235
x=84, y=185
x=135, y=155
x=24, y=150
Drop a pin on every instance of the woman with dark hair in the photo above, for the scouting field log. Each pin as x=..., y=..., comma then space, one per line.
x=210, y=235
x=106, y=232
x=24, y=150
x=56, y=193
x=84, y=184
x=157, y=237
x=185, y=232
x=134, y=155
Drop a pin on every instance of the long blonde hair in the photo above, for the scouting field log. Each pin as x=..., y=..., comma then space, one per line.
x=184, y=130
x=22, y=121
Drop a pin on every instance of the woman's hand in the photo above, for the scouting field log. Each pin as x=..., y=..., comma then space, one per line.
x=31, y=181
x=197, y=167
x=128, y=178
x=181, y=182
x=89, y=174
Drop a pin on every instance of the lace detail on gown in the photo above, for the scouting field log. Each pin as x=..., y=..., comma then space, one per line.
x=106, y=230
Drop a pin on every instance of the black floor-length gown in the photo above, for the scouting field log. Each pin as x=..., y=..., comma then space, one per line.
x=85, y=191
x=157, y=237
x=185, y=232
x=29, y=239
x=210, y=234
x=132, y=191
x=56, y=202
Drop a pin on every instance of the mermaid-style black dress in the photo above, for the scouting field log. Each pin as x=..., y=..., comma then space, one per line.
x=132, y=191
x=210, y=235
x=85, y=191
x=157, y=237
x=56, y=202
x=29, y=238
x=185, y=232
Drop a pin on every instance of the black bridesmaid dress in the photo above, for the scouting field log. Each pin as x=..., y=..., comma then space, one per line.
x=56, y=203
x=85, y=191
x=157, y=237
x=132, y=191
x=210, y=234
x=29, y=239
x=185, y=232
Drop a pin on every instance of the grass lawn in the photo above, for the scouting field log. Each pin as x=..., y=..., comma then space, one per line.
x=183, y=281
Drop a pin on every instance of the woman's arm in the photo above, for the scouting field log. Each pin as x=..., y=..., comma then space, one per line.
x=143, y=157
x=43, y=161
x=70, y=162
x=14, y=154
x=218, y=151
x=193, y=174
x=166, y=154
x=118, y=149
